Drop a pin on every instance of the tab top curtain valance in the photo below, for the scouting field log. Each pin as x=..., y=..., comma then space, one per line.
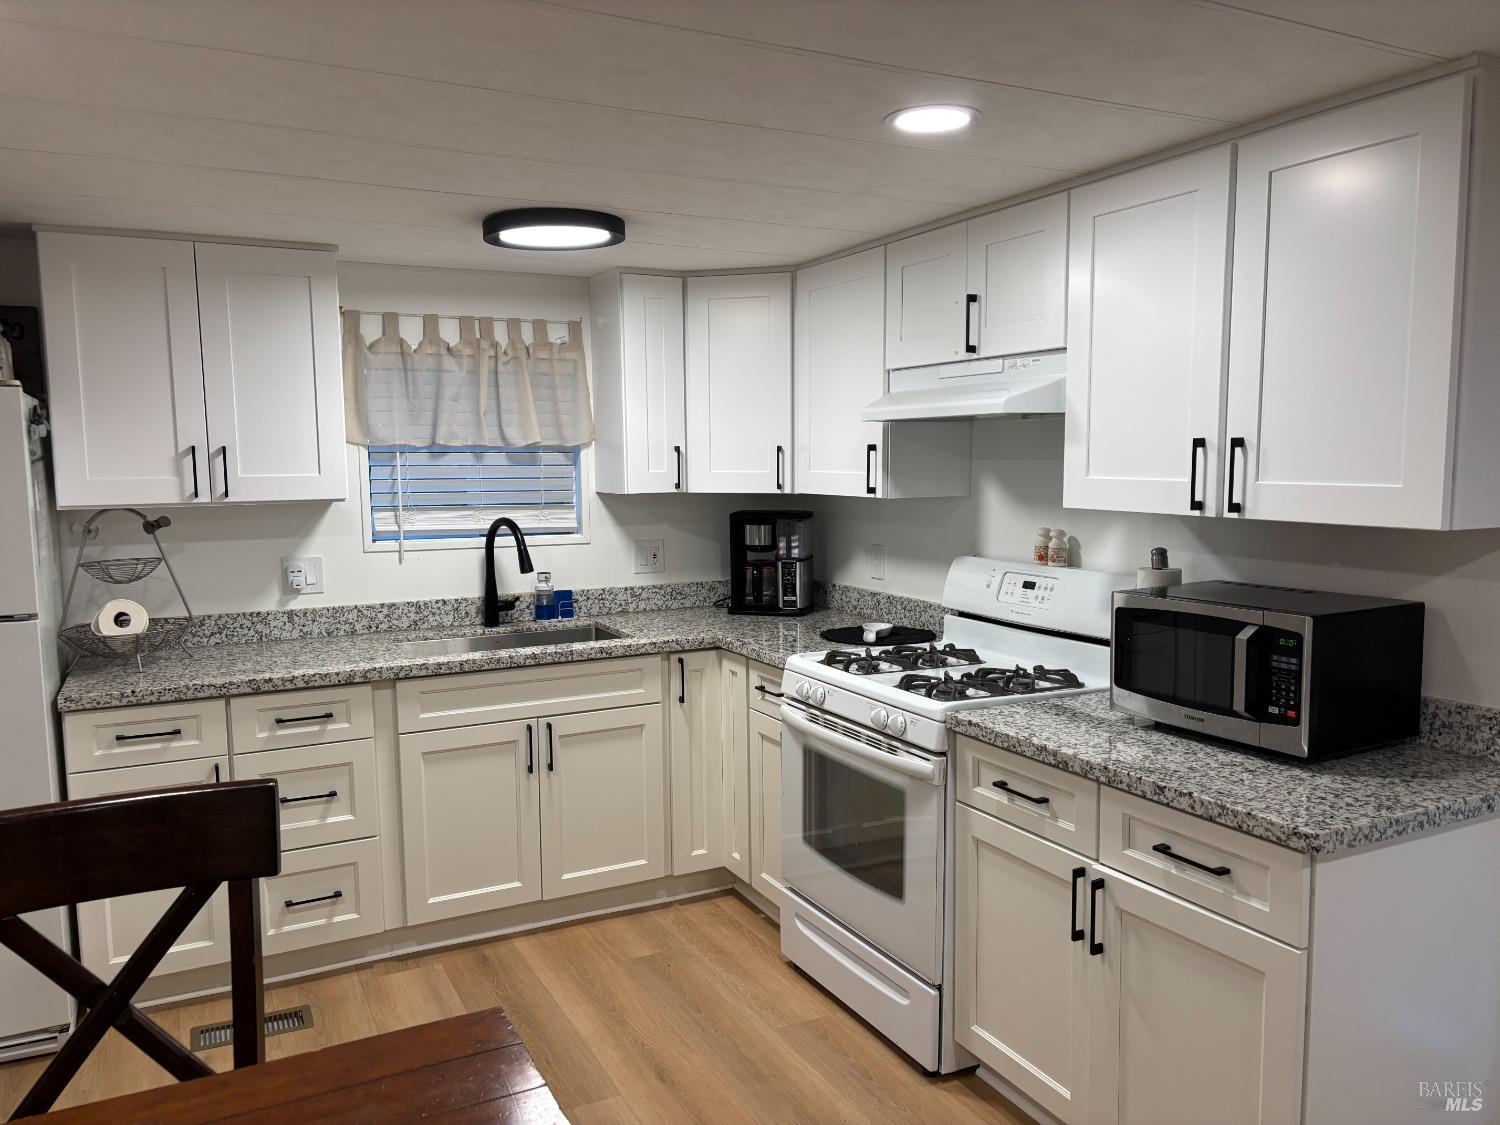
x=479, y=390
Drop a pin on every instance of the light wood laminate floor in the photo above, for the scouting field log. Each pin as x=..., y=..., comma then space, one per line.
x=676, y=1013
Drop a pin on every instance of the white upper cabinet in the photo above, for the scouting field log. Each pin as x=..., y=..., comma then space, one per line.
x=125, y=370
x=269, y=322
x=739, y=382
x=839, y=369
x=186, y=372
x=1344, y=344
x=1146, y=334
x=638, y=382
x=1018, y=278
x=925, y=305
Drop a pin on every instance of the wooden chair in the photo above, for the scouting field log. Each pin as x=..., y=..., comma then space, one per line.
x=194, y=837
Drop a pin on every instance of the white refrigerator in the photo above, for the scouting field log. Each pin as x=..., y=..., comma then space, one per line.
x=34, y=1014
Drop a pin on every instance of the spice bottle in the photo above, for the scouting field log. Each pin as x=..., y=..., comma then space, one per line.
x=1057, y=548
x=1039, y=549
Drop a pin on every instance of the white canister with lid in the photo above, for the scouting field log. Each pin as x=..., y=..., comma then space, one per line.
x=1057, y=548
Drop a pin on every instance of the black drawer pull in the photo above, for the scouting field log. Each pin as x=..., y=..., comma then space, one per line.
x=1200, y=445
x=681, y=680
x=1096, y=946
x=177, y=733
x=549, y=748
x=332, y=793
x=1235, y=443
x=1017, y=793
x=291, y=902
x=1166, y=849
x=530, y=750
x=1074, y=933
x=324, y=717
x=765, y=691
x=193, y=449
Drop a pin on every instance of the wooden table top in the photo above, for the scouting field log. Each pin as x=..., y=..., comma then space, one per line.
x=468, y=1068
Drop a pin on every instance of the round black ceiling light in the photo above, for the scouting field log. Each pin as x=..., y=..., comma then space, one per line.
x=553, y=228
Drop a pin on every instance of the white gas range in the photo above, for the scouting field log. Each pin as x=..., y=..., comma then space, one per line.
x=867, y=793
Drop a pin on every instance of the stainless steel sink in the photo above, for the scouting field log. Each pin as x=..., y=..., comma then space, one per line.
x=520, y=638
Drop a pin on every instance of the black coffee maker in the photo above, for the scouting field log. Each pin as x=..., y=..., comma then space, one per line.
x=770, y=563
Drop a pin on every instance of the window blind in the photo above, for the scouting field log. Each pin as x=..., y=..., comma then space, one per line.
x=448, y=493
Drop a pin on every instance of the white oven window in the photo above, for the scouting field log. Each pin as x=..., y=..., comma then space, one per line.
x=855, y=821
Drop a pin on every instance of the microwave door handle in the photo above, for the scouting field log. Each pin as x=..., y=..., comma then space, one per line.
x=908, y=764
x=1242, y=669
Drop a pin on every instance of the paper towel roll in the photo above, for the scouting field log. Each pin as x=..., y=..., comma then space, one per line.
x=121, y=618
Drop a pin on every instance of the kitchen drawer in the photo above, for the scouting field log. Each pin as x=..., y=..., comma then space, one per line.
x=1065, y=809
x=328, y=793
x=765, y=689
x=442, y=702
x=301, y=718
x=323, y=894
x=139, y=736
x=1265, y=887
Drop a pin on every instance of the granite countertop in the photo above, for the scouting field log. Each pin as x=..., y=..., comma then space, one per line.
x=1316, y=807
x=244, y=669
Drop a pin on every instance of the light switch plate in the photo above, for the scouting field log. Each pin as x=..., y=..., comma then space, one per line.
x=302, y=575
x=877, y=561
x=650, y=556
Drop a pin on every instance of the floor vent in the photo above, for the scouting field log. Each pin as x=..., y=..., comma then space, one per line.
x=212, y=1035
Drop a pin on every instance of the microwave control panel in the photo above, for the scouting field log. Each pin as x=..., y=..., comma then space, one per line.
x=1283, y=678
x=1030, y=590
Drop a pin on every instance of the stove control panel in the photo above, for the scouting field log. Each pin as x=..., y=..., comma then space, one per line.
x=1031, y=590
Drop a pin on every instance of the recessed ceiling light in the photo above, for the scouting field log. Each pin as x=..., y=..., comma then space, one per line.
x=932, y=118
x=553, y=228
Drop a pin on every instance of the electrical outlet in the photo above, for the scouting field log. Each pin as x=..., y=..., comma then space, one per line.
x=877, y=561
x=302, y=575
x=650, y=556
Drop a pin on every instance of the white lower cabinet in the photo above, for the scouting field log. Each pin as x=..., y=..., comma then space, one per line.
x=765, y=805
x=694, y=735
x=327, y=794
x=109, y=930
x=326, y=893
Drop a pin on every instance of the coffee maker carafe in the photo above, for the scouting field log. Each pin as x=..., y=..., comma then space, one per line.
x=770, y=563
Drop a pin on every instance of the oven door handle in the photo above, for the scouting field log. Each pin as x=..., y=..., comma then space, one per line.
x=932, y=772
x=1242, y=670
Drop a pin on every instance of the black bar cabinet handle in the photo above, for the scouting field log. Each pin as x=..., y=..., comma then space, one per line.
x=681, y=680
x=1096, y=946
x=291, y=902
x=549, y=747
x=870, y=469
x=174, y=733
x=1166, y=849
x=780, y=466
x=970, y=347
x=280, y=719
x=530, y=749
x=1005, y=785
x=1074, y=932
x=1233, y=505
x=1195, y=502
x=677, y=451
x=764, y=691
x=224, y=454
x=330, y=795
x=216, y=773
x=193, y=452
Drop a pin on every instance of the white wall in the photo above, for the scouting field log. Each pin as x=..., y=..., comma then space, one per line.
x=1018, y=487
x=230, y=558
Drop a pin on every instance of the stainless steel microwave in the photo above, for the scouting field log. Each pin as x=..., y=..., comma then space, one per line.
x=1295, y=671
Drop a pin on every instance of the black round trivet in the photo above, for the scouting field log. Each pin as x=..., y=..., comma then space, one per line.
x=900, y=635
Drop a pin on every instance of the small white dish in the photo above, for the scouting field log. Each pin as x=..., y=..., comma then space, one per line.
x=874, y=630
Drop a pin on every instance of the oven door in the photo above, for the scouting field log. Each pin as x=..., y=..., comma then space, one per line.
x=862, y=833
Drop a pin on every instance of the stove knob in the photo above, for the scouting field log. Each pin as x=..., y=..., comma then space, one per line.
x=897, y=725
x=878, y=718
x=804, y=690
x=819, y=694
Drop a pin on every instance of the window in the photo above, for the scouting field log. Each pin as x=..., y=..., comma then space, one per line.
x=455, y=493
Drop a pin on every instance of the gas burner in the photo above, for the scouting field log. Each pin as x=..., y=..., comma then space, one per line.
x=867, y=663
x=940, y=689
x=1021, y=681
x=930, y=656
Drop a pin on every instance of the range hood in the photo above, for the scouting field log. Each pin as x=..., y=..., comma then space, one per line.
x=978, y=388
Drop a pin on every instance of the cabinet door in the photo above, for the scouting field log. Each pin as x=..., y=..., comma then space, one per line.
x=124, y=369
x=1195, y=1017
x=734, y=716
x=603, y=800
x=654, y=386
x=1347, y=246
x=695, y=737
x=765, y=806
x=839, y=370
x=739, y=382
x=925, y=306
x=1146, y=277
x=1018, y=268
x=109, y=930
x=272, y=373
x=1022, y=991
x=470, y=830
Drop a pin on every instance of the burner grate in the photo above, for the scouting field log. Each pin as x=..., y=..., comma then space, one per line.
x=989, y=682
